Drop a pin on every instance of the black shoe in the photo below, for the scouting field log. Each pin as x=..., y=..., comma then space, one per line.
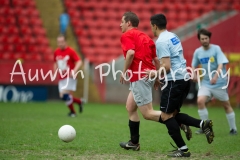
x=178, y=153
x=129, y=145
x=187, y=130
x=207, y=129
x=233, y=132
x=71, y=114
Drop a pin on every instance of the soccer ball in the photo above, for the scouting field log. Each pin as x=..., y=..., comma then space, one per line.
x=67, y=133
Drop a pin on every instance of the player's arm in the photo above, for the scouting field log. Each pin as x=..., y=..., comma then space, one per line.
x=163, y=54
x=165, y=65
x=195, y=64
x=78, y=64
x=55, y=66
x=128, y=61
x=194, y=78
x=156, y=63
x=215, y=77
x=221, y=60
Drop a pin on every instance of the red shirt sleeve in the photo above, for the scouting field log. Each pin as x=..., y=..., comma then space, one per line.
x=127, y=43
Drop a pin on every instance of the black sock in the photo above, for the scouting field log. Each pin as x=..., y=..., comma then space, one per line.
x=187, y=120
x=134, y=131
x=174, y=132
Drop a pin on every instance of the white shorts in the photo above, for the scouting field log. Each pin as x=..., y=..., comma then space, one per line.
x=142, y=91
x=69, y=84
x=220, y=94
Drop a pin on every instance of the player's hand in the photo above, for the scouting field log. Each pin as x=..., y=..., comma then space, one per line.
x=214, y=80
x=194, y=79
x=150, y=74
x=122, y=80
x=157, y=84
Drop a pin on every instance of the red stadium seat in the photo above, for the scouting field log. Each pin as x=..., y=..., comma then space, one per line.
x=23, y=20
x=25, y=30
x=42, y=40
x=223, y=6
x=2, y=20
x=71, y=4
x=4, y=3
x=78, y=32
x=183, y=16
x=10, y=20
x=8, y=56
x=171, y=16
x=12, y=30
x=84, y=42
x=179, y=7
x=3, y=29
x=15, y=39
x=20, y=48
x=32, y=49
x=74, y=13
x=6, y=48
x=19, y=11
x=193, y=15
x=76, y=22
x=236, y=7
x=24, y=3
x=7, y=11
x=39, y=31
x=35, y=21
x=4, y=39
x=29, y=40
x=33, y=12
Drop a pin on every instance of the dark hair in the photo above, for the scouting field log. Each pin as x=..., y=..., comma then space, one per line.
x=132, y=17
x=159, y=20
x=204, y=32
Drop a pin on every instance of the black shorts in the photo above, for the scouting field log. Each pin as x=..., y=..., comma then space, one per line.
x=173, y=95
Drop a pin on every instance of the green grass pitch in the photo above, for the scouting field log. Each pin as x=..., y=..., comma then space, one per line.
x=29, y=131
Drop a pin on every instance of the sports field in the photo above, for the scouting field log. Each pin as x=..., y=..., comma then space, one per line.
x=29, y=131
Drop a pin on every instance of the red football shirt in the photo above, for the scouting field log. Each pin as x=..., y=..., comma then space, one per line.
x=65, y=60
x=145, y=52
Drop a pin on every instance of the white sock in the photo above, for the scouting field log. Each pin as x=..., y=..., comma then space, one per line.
x=201, y=124
x=231, y=120
x=183, y=147
x=203, y=114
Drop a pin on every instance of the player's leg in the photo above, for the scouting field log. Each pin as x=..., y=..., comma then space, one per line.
x=142, y=94
x=168, y=105
x=222, y=95
x=72, y=86
x=204, y=95
x=206, y=126
x=66, y=96
x=134, y=123
x=66, y=87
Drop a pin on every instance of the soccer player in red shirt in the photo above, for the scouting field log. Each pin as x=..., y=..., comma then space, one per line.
x=67, y=60
x=140, y=52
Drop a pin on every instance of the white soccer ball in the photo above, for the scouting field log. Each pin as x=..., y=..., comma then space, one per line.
x=67, y=133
